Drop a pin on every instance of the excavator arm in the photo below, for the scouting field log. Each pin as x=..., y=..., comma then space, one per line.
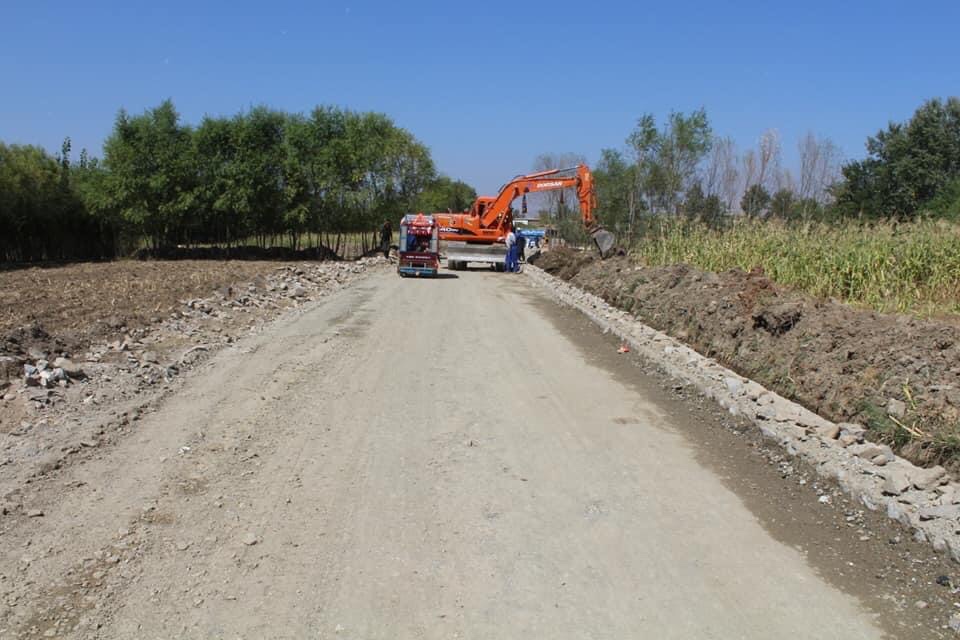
x=497, y=214
x=582, y=181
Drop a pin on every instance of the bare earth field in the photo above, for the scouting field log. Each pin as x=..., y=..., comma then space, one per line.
x=71, y=306
x=352, y=455
x=125, y=340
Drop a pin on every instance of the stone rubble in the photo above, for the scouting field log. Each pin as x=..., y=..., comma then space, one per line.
x=925, y=500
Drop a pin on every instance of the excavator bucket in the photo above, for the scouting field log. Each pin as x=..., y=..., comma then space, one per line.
x=605, y=242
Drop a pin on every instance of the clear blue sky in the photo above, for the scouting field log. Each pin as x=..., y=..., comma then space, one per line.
x=487, y=85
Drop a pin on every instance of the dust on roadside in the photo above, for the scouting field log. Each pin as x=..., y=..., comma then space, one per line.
x=897, y=375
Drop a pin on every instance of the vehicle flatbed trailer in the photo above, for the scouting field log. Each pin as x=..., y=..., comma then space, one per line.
x=459, y=254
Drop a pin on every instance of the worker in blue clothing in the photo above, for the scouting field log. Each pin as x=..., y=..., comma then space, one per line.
x=510, y=266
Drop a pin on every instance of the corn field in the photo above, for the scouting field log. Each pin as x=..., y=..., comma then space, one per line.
x=904, y=267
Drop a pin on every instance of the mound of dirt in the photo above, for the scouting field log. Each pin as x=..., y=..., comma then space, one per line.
x=898, y=375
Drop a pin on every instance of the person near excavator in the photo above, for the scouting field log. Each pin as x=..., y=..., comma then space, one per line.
x=510, y=266
x=386, y=236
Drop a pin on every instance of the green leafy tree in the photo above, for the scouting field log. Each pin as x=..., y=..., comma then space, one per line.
x=947, y=202
x=614, y=179
x=783, y=204
x=698, y=205
x=220, y=218
x=28, y=177
x=667, y=158
x=347, y=171
x=151, y=173
x=257, y=171
x=755, y=201
x=907, y=165
x=445, y=194
x=90, y=182
x=42, y=214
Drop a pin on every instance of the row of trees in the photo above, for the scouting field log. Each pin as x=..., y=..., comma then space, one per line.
x=262, y=176
x=682, y=168
x=42, y=210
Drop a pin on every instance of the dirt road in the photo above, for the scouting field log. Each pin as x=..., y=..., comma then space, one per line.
x=410, y=459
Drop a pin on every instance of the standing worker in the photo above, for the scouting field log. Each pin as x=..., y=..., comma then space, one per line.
x=511, y=264
x=386, y=236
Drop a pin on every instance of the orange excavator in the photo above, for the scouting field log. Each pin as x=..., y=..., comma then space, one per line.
x=477, y=235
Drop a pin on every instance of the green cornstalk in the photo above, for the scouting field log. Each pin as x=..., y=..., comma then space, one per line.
x=890, y=267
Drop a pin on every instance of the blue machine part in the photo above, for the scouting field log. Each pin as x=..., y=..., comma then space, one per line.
x=532, y=237
x=532, y=233
x=418, y=271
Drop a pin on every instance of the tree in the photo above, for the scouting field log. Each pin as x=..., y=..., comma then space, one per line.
x=819, y=168
x=667, y=159
x=947, y=202
x=151, y=173
x=347, y=171
x=721, y=175
x=29, y=181
x=907, y=165
x=782, y=204
x=613, y=179
x=768, y=158
x=445, y=194
x=698, y=205
x=257, y=172
x=90, y=179
x=42, y=213
x=761, y=166
x=755, y=201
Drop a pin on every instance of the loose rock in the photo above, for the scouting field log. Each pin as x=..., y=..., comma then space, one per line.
x=896, y=408
x=924, y=479
x=954, y=623
x=896, y=480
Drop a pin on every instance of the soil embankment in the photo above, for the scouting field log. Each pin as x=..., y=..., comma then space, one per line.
x=897, y=375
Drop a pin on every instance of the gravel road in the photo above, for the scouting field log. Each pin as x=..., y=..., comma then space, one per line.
x=410, y=459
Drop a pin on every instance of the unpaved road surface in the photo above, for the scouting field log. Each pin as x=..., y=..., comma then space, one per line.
x=410, y=459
